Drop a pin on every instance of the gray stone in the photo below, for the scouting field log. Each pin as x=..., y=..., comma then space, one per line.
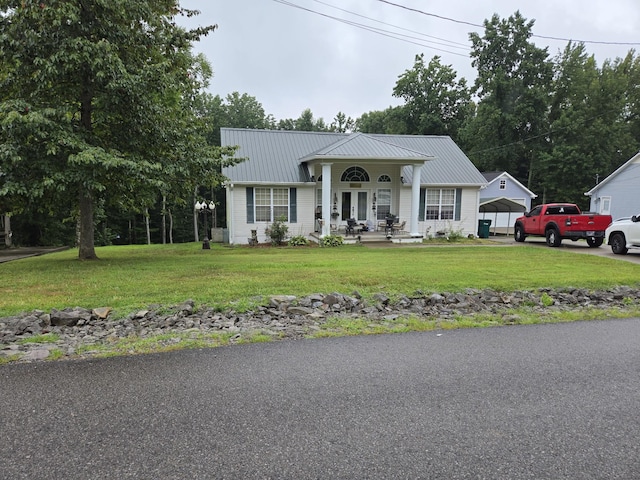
x=64, y=319
x=39, y=354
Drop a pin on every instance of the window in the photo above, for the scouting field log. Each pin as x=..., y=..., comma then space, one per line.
x=383, y=204
x=503, y=184
x=605, y=205
x=440, y=204
x=271, y=204
x=384, y=179
x=355, y=174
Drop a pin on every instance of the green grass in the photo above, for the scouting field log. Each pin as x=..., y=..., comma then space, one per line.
x=127, y=278
x=44, y=338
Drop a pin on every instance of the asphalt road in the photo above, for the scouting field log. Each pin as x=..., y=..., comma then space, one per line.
x=535, y=402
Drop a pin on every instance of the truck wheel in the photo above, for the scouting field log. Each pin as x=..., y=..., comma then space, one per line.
x=594, y=242
x=553, y=237
x=618, y=244
x=518, y=234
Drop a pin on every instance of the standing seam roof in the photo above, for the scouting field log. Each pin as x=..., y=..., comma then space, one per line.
x=275, y=155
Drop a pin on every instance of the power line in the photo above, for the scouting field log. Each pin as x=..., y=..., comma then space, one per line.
x=449, y=19
x=462, y=45
x=386, y=33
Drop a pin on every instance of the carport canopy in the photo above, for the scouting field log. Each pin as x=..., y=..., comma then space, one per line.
x=499, y=205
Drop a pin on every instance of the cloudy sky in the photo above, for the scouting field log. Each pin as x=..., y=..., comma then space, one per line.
x=346, y=55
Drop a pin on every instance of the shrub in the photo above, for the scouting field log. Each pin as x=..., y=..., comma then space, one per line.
x=298, y=241
x=277, y=231
x=331, y=241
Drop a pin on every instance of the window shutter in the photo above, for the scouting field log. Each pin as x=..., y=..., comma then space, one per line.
x=423, y=199
x=293, y=205
x=458, y=203
x=250, y=205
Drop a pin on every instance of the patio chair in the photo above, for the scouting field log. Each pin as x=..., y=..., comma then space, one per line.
x=388, y=229
x=399, y=227
x=351, y=224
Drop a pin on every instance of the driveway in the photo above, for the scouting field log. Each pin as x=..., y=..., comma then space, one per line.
x=579, y=246
x=528, y=402
x=9, y=254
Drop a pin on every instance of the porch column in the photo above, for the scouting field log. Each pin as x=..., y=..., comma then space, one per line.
x=326, y=200
x=415, y=200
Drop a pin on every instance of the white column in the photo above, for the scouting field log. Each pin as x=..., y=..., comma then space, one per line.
x=326, y=200
x=415, y=200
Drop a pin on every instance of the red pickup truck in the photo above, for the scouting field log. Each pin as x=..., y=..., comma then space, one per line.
x=557, y=221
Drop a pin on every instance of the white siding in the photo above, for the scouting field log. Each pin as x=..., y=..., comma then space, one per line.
x=240, y=230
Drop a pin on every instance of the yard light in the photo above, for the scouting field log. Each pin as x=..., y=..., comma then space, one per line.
x=204, y=207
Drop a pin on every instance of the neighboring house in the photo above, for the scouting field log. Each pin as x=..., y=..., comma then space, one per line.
x=318, y=180
x=503, y=200
x=618, y=195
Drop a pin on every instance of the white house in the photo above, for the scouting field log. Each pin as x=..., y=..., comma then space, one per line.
x=318, y=180
x=503, y=199
x=618, y=195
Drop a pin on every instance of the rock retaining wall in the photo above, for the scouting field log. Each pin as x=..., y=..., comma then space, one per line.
x=283, y=317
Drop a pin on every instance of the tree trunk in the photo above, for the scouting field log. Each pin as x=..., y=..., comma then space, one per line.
x=7, y=230
x=146, y=225
x=86, y=240
x=195, y=216
x=164, y=219
x=170, y=227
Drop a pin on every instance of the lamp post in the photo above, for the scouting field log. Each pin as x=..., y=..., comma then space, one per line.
x=203, y=208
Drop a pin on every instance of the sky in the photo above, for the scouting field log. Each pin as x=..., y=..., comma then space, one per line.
x=297, y=54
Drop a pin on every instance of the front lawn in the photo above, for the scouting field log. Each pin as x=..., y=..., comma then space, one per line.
x=127, y=278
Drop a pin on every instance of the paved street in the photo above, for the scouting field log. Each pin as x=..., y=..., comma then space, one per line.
x=535, y=402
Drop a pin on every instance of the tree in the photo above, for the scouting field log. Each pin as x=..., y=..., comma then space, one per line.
x=234, y=111
x=436, y=103
x=93, y=104
x=512, y=86
x=390, y=121
x=590, y=132
x=342, y=124
x=305, y=123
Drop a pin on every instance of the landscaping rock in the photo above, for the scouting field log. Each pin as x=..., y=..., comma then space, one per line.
x=285, y=316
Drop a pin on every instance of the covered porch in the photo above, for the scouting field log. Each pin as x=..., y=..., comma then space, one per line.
x=370, y=237
x=360, y=179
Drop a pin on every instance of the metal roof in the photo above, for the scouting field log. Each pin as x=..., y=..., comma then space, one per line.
x=279, y=156
x=501, y=204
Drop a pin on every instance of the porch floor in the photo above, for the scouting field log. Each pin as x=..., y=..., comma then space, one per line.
x=371, y=237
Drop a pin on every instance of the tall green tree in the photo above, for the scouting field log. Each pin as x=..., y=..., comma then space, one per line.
x=436, y=102
x=392, y=121
x=342, y=124
x=512, y=87
x=587, y=125
x=234, y=111
x=306, y=122
x=92, y=103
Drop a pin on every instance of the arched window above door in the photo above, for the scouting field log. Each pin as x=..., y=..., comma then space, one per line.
x=355, y=174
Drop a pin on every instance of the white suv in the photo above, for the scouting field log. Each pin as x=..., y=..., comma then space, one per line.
x=623, y=234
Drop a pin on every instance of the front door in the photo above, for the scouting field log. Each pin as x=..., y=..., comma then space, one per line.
x=354, y=205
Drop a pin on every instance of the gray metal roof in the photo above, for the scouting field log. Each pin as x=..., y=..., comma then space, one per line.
x=501, y=204
x=278, y=156
x=365, y=147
